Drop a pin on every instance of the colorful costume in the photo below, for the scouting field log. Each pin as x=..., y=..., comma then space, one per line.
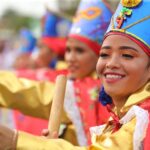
x=128, y=137
x=132, y=19
x=78, y=110
x=28, y=95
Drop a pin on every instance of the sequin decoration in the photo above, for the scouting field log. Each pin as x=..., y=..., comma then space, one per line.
x=122, y=16
x=130, y=3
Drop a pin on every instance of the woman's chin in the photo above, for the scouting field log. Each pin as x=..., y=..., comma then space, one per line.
x=111, y=92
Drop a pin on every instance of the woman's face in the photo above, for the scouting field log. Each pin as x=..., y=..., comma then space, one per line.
x=80, y=58
x=45, y=56
x=122, y=66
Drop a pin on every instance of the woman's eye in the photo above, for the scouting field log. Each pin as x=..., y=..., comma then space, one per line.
x=103, y=55
x=129, y=56
x=68, y=50
x=79, y=50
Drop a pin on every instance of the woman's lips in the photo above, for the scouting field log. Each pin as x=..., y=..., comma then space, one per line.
x=113, y=77
x=72, y=68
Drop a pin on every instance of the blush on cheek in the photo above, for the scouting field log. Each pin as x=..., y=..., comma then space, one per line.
x=99, y=70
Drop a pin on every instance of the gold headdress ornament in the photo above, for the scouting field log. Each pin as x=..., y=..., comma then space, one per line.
x=130, y=3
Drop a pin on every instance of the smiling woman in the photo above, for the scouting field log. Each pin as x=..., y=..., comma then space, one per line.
x=118, y=66
x=124, y=68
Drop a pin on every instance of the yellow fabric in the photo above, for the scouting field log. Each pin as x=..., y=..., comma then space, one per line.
x=29, y=96
x=137, y=97
x=123, y=138
x=61, y=65
x=120, y=140
x=30, y=142
x=70, y=134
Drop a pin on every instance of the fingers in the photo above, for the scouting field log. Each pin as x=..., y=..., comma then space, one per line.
x=46, y=134
x=55, y=135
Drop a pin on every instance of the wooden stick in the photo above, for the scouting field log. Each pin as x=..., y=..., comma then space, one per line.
x=57, y=105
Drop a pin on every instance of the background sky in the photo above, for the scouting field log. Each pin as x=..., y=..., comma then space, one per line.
x=35, y=8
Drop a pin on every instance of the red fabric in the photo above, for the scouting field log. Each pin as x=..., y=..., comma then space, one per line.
x=40, y=74
x=29, y=124
x=115, y=120
x=58, y=45
x=146, y=105
x=92, y=112
x=95, y=46
x=147, y=138
x=145, y=48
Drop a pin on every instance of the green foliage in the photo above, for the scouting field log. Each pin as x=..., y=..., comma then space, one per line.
x=71, y=9
x=15, y=21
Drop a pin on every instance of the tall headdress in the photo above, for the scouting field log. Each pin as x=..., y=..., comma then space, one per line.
x=50, y=35
x=28, y=41
x=90, y=23
x=132, y=19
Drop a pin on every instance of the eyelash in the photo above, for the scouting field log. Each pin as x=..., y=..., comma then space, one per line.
x=79, y=50
x=128, y=56
x=103, y=55
x=67, y=50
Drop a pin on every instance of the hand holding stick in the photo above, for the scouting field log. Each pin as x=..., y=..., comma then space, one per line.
x=57, y=106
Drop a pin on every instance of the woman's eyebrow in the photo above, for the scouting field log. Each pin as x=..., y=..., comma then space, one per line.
x=106, y=47
x=121, y=48
x=128, y=47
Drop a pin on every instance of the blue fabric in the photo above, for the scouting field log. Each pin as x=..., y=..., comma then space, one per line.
x=54, y=26
x=29, y=41
x=92, y=20
x=53, y=63
x=49, y=25
x=104, y=98
x=141, y=30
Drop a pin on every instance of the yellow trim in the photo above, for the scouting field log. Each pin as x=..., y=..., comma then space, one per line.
x=61, y=65
x=133, y=35
x=138, y=97
x=130, y=3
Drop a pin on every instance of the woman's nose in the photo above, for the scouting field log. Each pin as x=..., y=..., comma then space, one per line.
x=113, y=62
x=70, y=56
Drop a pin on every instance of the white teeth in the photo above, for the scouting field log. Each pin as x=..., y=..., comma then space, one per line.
x=109, y=76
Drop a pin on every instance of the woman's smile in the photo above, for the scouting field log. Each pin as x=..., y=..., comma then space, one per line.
x=111, y=77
